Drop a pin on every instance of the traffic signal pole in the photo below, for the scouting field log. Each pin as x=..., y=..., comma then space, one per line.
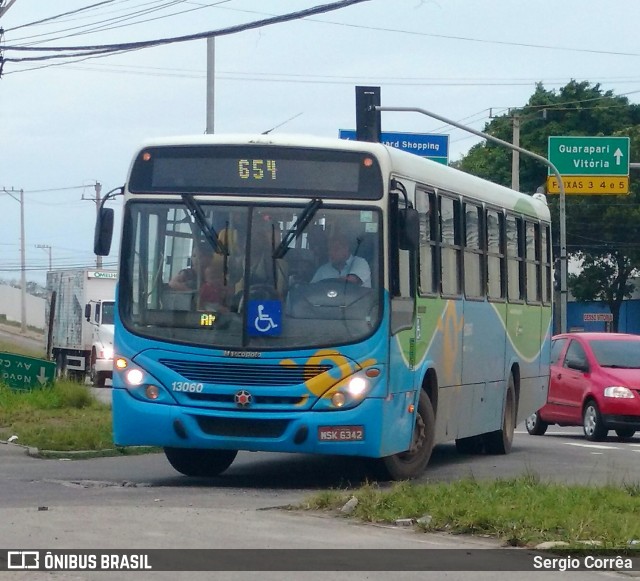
x=545, y=161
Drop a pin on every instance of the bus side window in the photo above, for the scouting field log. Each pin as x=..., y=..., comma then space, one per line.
x=474, y=285
x=429, y=270
x=515, y=259
x=451, y=246
x=495, y=255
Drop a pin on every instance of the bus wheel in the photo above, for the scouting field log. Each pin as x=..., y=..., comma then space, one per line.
x=194, y=462
x=500, y=441
x=412, y=463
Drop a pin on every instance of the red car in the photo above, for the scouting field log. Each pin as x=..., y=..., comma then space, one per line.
x=594, y=383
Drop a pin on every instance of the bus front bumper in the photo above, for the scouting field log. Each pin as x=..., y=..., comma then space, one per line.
x=354, y=432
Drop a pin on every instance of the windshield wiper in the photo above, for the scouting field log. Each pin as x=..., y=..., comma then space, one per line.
x=301, y=223
x=209, y=232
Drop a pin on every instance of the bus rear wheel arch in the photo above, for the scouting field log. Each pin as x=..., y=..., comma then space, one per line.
x=500, y=441
x=200, y=463
x=413, y=462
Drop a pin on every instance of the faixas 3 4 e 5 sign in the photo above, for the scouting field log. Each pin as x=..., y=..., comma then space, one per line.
x=589, y=165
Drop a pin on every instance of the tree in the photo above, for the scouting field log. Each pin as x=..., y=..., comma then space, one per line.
x=603, y=232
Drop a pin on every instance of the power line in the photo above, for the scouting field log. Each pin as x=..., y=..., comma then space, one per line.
x=50, y=18
x=105, y=49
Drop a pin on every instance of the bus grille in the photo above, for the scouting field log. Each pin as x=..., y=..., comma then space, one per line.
x=263, y=374
x=242, y=428
x=258, y=400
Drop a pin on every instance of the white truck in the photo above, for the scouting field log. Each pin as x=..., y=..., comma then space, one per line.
x=79, y=320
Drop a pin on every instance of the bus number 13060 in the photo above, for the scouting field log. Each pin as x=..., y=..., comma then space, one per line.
x=187, y=386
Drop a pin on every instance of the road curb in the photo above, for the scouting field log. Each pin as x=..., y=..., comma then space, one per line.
x=14, y=448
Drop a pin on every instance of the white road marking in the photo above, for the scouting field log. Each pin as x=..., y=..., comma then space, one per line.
x=594, y=446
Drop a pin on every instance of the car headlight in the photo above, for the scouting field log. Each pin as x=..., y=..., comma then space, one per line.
x=618, y=391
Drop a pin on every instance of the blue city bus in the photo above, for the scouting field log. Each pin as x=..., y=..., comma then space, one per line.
x=433, y=326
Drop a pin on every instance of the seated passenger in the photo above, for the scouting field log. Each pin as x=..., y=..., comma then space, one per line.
x=213, y=292
x=343, y=265
x=187, y=278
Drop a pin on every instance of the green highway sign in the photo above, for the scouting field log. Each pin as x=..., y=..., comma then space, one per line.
x=589, y=156
x=25, y=373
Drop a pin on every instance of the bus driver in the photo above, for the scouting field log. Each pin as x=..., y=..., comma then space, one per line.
x=343, y=265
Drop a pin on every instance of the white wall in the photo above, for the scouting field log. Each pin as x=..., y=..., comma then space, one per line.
x=10, y=305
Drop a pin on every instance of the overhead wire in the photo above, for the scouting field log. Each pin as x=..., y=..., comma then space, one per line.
x=89, y=50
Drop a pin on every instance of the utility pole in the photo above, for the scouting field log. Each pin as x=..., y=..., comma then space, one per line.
x=211, y=78
x=23, y=277
x=515, y=155
x=97, y=199
x=98, y=188
x=48, y=248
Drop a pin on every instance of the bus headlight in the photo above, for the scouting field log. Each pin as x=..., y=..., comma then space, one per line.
x=357, y=386
x=139, y=383
x=346, y=394
x=134, y=377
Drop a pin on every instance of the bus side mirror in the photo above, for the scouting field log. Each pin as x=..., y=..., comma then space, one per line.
x=408, y=229
x=104, y=232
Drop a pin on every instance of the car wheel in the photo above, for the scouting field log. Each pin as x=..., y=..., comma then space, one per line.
x=412, y=463
x=535, y=426
x=625, y=433
x=500, y=441
x=592, y=423
x=195, y=462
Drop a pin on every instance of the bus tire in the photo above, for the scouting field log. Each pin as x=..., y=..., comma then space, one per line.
x=412, y=463
x=500, y=441
x=196, y=462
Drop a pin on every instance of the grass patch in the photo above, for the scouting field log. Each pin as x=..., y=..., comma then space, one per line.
x=62, y=417
x=8, y=347
x=521, y=511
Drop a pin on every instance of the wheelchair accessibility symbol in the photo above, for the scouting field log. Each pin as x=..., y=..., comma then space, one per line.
x=264, y=318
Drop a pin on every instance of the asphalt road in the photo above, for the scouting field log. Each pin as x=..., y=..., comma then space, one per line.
x=140, y=502
x=31, y=341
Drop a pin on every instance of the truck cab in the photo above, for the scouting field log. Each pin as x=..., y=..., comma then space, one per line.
x=99, y=313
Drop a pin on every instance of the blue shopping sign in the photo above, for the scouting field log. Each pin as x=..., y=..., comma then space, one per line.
x=434, y=146
x=264, y=318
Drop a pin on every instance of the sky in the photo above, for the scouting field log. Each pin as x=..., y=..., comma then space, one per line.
x=69, y=124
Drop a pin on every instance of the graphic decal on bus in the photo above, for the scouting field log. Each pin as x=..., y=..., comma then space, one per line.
x=326, y=384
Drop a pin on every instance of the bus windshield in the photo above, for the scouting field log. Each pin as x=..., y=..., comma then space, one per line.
x=252, y=276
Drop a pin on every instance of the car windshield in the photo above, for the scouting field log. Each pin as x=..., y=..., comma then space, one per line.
x=623, y=354
x=264, y=281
